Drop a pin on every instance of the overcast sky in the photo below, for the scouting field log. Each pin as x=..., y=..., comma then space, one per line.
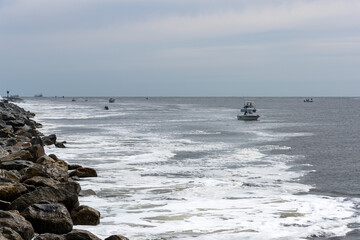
x=180, y=47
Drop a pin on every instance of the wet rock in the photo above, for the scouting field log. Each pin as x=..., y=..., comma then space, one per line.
x=116, y=237
x=11, y=191
x=80, y=235
x=50, y=236
x=20, y=155
x=65, y=193
x=48, y=170
x=39, y=181
x=3, y=152
x=37, y=140
x=74, y=166
x=49, y=218
x=49, y=140
x=84, y=215
x=23, y=131
x=87, y=192
x=11, y=142
x=9, y=234
x=6, y=133
x=37, y=151
x=22, y=139
x=44, y=160
x=53, y=156
x=15, y=164
x=9, y=176
x=2, y=122
x=83, y=172
x=13, y=220
x=60, y=145
x=15, y=123
x=4, y=205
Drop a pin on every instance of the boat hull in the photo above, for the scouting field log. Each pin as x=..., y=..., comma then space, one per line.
x=248, y=117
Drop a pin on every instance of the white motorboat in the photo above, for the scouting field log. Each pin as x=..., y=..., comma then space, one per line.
x=248, y=111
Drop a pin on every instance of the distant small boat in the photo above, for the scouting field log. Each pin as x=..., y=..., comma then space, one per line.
x=38, y=95
x=111, y=100
x=248, y=110
x=308, y=100
x=106, y=108
x=73, y=100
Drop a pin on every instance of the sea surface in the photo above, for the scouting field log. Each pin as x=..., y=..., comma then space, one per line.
x=186, y=168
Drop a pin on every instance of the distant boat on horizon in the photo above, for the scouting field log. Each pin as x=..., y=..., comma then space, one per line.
x=38, y=95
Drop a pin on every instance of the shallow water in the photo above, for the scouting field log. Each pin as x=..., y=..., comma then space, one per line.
x=185, y=168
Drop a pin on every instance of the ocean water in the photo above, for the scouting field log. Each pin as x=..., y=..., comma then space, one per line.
x=186, y=168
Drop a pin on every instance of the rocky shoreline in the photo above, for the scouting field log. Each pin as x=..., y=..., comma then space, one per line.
x=39, y=192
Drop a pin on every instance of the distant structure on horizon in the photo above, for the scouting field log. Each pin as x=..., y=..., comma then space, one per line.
x=38, y=95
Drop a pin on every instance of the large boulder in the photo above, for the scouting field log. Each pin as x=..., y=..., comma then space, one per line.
x=84, y=215
x=83, y=172
x=39, y=181
x=11, y=191
x=37, y=141
x=46, y=170
x=80, y=235
x=7, y=233
x=49, y=218
x=15, y=164
x=20, y=155
x=50, y=236
x=15, y=123
x=37, y=151
x=49, y=140
x=13, y=220
x=65, y=193
x=44, y=160
x=9, y=176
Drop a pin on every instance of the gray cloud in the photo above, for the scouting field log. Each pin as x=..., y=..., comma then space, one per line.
x=148, y=47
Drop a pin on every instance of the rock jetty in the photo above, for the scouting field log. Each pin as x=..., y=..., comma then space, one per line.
x=39, y=192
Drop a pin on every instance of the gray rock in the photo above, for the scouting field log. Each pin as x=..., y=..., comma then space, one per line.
x=36, y=151
x=4, y=205
x=81, y=235
x=11, y=191
x=39, y=181
x=60, y=145
x=9, y=176
x=49, y=218
x=50, y=236
x=20, y=155
x=7, y=233
x=85, y=215
x=13, y=220
x=48, y=171
x=65, y=193
x=15, y=164
x=83, y=172
x=49, y=140
x=74, y=166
